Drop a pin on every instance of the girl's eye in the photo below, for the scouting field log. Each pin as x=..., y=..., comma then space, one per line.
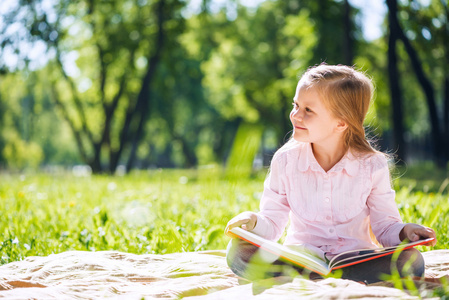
x=296, y=106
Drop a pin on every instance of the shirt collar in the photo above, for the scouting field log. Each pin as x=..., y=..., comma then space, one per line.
x=307, y=160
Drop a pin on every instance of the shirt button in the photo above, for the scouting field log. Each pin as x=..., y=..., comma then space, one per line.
x=331, y=230
x=328, y=218
x=327, y=200
x=326, y=176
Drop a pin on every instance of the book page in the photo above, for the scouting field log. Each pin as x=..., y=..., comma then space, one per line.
x=352, y=257
x=302, y=259
x=309, y=249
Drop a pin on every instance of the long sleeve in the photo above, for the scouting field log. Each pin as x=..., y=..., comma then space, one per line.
x=274, y=207
x=329, y=210
x=385, y=220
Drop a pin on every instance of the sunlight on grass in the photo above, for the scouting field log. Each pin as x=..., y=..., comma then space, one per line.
x=161, y=211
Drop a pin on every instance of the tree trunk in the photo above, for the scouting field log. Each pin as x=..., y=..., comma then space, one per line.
x=348, y=56
x=446, y=119
x=140, y=111
x=189, y=154
x=446, y=86
x=144, y=95
x=395, y=90
x=286, y=125
x=424, y=82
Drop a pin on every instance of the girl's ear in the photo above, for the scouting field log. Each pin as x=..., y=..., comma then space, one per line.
x=341, y=126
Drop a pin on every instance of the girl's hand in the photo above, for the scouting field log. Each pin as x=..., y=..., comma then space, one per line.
x=247, y=220
x=415, y=232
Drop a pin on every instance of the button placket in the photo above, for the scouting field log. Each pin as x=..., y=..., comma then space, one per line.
x=327, y=208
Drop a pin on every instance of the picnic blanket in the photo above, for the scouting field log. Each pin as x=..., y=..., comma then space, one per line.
x=192, y=275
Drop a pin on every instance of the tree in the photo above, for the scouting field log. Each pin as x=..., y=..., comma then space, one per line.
x=205, y=33
x=117, y=47
x=394, y=79
x=348, y=55
x=19, y=113
x=437, y=131
x=332, y=19
x=445, y=42
x=253, y=76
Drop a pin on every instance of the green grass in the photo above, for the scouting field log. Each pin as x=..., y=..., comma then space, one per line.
x=422, y=177
x=162, y=211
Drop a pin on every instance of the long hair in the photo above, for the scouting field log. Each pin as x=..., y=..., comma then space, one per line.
x=347, y=93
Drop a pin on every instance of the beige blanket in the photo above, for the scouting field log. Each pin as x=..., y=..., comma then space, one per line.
x=200, y=275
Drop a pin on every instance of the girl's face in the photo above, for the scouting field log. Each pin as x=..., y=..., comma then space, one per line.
x=312, y=121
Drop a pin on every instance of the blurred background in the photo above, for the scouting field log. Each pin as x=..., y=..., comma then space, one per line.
x=114, y=85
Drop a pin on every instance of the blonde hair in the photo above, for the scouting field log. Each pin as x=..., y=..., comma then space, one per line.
x=347, y=93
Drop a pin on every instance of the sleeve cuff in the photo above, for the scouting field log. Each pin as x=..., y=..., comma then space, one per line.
x=394, y=239
x=261, y=227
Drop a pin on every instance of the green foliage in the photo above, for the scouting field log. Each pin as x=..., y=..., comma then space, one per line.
x=19, y=149
x=162, y=211
x=31, y=134
x=20, y=154
x=253, y=71
x=216, y=68
x=325, y=15
x=100, y=74
x=379, y=115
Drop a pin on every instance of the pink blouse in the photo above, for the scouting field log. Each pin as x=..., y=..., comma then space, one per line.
x=328, y=211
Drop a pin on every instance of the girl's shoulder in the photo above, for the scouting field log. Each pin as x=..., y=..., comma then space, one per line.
x=289, y=153
x=375, y=161
x=290, y=148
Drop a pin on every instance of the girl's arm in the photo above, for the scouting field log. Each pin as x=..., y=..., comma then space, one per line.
x=385, y=219
x=270, y=222
x=384, y=214
x=274, y=205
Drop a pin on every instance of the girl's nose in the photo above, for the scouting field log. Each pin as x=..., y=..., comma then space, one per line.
x=297, y=115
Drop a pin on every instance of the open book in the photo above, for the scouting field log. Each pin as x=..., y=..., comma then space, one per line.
x=315, y=264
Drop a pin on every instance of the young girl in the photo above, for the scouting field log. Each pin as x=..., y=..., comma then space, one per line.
x=331, y=184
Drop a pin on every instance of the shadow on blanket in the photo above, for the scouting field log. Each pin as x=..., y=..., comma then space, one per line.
x=203, y=275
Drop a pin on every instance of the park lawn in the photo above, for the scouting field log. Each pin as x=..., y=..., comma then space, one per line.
x=158, y=211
